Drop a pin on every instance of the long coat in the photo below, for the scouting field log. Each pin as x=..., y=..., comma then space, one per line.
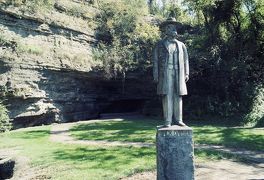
x=160, y=66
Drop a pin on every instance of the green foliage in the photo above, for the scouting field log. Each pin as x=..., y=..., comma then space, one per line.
x=115, y=58
x=31, y=5
x=256, y=114
x=5, y=123
x=126, y=39
x=162, y=9
x=227, y=55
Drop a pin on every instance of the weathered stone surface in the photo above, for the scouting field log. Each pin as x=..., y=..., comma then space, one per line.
x=175, y=153
x=47, y=72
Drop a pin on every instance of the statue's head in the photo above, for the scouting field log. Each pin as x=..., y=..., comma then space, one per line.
x=169, y=27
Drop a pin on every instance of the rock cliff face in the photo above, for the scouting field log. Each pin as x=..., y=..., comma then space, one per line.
x=47, y=70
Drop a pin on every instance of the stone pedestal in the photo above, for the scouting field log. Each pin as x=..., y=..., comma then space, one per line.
x=175, y=153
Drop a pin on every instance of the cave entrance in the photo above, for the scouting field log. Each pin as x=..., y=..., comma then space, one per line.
x=124, y=106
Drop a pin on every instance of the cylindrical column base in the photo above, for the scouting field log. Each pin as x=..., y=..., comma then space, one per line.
x=175, y=153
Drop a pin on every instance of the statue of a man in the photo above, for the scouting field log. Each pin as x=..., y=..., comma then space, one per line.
x=171, y=72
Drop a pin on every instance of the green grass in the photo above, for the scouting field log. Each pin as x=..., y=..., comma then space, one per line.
x=144, y=131
x=129, y=130
x=58, y=161
x=246, y=138
x=215, y=155
x=62, y=161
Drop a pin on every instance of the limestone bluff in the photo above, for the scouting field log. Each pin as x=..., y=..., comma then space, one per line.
x=47, y=73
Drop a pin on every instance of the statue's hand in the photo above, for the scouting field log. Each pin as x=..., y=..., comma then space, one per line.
x=186, y=78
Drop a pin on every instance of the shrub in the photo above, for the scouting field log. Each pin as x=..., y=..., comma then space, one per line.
x=5, y=124
x=256, y=115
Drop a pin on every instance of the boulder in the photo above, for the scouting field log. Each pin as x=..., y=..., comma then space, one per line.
x=7, y=165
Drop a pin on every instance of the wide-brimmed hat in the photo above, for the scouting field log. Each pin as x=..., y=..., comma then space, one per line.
x=170, y=20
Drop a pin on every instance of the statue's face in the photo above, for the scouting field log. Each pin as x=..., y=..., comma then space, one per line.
x=171, y=31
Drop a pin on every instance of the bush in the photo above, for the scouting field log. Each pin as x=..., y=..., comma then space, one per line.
x=5, y=124
x=256, y=115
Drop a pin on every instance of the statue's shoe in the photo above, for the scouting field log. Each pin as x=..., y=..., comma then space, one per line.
x=163, y=126
x=167, y=125
x=180, y=123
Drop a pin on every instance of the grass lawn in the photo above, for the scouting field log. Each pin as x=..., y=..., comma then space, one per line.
x=144, y=131
x=128, y=130
x=59, y=161
x=237, y=137
x=62, y=161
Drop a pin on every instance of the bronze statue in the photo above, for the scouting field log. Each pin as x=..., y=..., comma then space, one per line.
x=171, y=72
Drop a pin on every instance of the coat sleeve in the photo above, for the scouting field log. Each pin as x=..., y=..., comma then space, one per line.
x=155, y=64
x=186, y=60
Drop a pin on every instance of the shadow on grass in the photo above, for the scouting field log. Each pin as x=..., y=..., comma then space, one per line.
x=145, y=130
x=105, y=158
x=211, y=154
x=239, y=138
x=129, y=130
x=217, y=155
x=246, y=138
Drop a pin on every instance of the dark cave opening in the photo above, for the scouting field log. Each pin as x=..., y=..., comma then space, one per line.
x=124, y=106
